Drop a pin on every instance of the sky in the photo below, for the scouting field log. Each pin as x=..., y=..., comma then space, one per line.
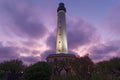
x=28, y=29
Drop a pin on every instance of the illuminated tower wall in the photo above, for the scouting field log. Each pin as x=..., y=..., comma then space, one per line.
x=61, y=46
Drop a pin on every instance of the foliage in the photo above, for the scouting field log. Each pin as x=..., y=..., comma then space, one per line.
x=98, y=76
x=38, y=71
x=11, y=70
x=14, y=66
x=83, y=67
x=107, y=70
x=2, y=74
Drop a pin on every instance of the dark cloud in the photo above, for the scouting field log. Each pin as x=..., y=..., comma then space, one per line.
x=24, y=22
x=24, y=50
x=79, y=33
x=34, y=52
x=8, y=52
x=101, y=51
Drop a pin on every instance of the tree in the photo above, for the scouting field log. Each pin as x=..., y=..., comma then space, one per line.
x=108, y=70
x=2, y=74
x=13, y=69
x=38, y=71
x=83, y=67
x=15, y=66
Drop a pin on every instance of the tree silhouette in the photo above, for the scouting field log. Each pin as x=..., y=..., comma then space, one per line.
x=38, y=71
x=13, y=69
x=83, y=67
x=108, y=70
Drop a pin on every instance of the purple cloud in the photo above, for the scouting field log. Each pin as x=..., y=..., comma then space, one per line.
x=106, y=50
x=8, y=52
x=34, y=52
x=12, y=52
x=28, y=20
x=80, y=33
x=24, y=22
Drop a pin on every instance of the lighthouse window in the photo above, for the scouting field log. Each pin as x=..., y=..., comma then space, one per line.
x=59, y=50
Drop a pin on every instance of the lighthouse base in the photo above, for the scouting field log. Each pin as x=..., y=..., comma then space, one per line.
x=60, y=57
x=62, y=63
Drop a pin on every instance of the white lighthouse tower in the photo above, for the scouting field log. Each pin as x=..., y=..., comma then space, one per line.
x=61, y=45
x=61, y=42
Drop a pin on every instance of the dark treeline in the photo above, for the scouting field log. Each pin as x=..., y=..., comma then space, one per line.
x=83, y=69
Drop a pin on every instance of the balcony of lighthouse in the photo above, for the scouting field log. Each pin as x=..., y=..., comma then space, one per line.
x=60, y=57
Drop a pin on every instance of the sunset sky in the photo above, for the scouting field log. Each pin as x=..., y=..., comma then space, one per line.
x=28, y=28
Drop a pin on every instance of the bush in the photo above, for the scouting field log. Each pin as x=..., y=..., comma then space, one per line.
x=2, y=74
x=38, y=71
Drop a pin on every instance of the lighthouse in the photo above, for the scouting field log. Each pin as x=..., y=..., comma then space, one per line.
x=61, y=43
x=61, y=38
